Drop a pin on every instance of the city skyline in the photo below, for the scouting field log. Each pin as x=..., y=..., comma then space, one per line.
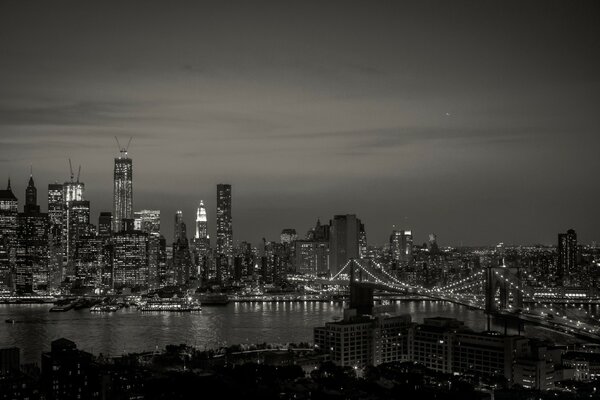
x=398, y=110
x=191, y=220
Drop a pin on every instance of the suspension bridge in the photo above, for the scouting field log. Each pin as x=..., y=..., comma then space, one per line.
x=499, y=291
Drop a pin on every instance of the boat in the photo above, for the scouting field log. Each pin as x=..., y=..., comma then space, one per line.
x=104, y=308
x=63, y=305
x=213, y=299
x=176, y=304
x=10, y=321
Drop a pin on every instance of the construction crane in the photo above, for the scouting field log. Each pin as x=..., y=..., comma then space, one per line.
x=71, y=168
x=123, y=150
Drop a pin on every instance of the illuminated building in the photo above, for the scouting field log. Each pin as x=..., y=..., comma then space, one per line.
x=224, y=222
x=123, y=190
x=182, y=260
x=401, y=247
x=130, y=257
x=32, y=244
x=344, y=237
x=288, y=236
x=311, y=257
x=148, y=221
x=201, y=242
x=72, y=191
x=56, y=246
x=8, y=235
x=567, y=257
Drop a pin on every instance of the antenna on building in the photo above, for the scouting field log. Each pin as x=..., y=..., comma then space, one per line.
x=78, y=173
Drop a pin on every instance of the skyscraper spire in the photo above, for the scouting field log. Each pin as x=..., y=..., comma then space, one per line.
x=123, y=188
x=201, y=222
x=31, y=193
x=8, y=186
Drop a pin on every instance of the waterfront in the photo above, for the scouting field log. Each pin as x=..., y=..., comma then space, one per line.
x=129, y=330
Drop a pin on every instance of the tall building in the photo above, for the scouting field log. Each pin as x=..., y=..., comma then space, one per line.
x=179, y=231
x=130, y=257
x=401, y=246
x=344, y=238
x=32, y=244
x=224, y=222
x=123, y=190
x=105, y=225
x=8, y=235
x=201, y=242
x=148, y=221
x=182, y=259
x=567, y=257
x=72, y=191
x=201, y=222
x=56, y=218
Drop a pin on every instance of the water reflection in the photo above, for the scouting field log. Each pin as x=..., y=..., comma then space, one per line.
x=129, y=330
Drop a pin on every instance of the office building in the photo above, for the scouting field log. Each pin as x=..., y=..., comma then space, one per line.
x=344, y=238
x=32, y=244
x=123, y=190
x=130, y=257
x=224, y=221
x=567, y=257
x=147, y=221
x=401, y=247
x=8, y=236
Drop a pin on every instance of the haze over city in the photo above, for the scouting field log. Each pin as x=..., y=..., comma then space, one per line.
x=399, y=113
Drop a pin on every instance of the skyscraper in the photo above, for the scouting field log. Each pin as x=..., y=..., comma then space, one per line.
x=180, y=231
x=72, y=191
x=56, y=208
x=401, y=246
x=123, y=190
x=8, y=234
x=130, y=260
x=567, y=256
x=224, y=223
x=344, y=238
x=56, y=218
x=32, y=244
x=201, y=222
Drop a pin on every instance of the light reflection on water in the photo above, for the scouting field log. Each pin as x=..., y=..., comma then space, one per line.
x=129, y=330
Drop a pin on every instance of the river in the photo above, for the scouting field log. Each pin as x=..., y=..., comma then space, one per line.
x=129, y=330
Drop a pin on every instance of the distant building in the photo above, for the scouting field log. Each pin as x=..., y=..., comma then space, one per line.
x=8, y=235
x=130, y=259
x=288, y=236
x=401, y=247
x=344, y=237
x=32, y=244
x=567, y=257
x=123, y=190
x=147, y=221
x=73, y=191
x=224, y=221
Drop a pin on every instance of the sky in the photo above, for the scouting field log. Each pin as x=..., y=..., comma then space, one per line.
x=478, y=120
